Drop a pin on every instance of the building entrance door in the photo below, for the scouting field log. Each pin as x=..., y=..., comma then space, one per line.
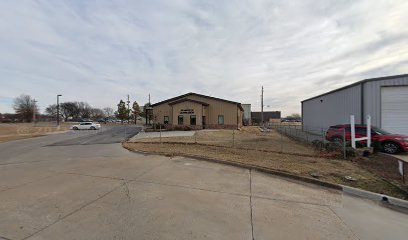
x=203, y=122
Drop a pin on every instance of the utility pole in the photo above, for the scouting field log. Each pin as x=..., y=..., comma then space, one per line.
x=128, y=112
x=262, y=105
x=34, y=109
x=147, y=116
x=59, y=95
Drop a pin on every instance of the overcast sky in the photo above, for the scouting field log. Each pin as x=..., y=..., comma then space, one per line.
x=99, y=51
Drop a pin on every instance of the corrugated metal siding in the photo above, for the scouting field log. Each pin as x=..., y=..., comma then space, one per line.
x=372, y=97
x=332, y=109
x=337, y=107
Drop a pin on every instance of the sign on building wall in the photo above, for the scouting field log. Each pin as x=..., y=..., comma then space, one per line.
x=186, y=111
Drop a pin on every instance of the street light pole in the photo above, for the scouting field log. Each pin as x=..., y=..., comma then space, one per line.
x=128, y=112
x=59, y=95
x=34, y=109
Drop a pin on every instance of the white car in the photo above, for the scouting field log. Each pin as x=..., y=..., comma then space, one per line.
x=86, y=126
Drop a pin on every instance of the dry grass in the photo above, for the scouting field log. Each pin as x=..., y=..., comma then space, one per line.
x=247, y=137
x=299, y=160
x=15, y=131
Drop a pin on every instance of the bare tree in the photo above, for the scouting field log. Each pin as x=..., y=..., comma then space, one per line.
x=69, y=109
x=25, y=106
x=76, y=110
x=85, y=110
x=51, y=110
x=97, y=113
x=108, y=111
x=295, y=115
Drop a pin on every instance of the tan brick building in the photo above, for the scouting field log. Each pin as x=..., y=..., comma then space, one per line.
x=198, y=112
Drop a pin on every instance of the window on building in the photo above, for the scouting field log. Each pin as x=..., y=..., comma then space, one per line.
x=180, y=120
x=166, y=120
x=221, y=119
x=193, y=120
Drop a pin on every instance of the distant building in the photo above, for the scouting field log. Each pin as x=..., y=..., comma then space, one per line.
x=198, y=111
x=270, y=116
x=385, y=99
x=247, y=113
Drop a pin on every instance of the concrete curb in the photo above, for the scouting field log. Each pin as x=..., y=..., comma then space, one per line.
x=375, y=196
x=345, y=189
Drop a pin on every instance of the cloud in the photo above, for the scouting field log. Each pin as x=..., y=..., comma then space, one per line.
x=99, y=50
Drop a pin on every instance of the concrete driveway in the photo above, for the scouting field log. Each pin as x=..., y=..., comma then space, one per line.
x=102, y=191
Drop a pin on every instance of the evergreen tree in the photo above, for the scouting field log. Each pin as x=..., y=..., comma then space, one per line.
x=122, y=112
x=135, y=110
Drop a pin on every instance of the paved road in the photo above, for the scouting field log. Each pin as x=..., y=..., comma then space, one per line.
x=108, y=134
x=102, y=191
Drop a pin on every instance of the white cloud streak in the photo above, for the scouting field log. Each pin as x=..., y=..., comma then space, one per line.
x=100, y=51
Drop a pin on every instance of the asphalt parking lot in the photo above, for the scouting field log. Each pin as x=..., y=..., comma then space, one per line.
x=63, y=187
x=106, y=135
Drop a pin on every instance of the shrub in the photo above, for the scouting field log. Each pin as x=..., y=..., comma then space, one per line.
x=178, y=128
x=334, y=147
x=317, y=144
x=187, y=128
x=350, y=152
x=158, y=125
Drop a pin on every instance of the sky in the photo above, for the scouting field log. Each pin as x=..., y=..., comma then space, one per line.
x=99, y=51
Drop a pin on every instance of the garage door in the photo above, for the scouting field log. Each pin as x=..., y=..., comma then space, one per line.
x=394, y=109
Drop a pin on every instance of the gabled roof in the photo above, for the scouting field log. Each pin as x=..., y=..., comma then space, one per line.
x=188, y=100
x=199, y=95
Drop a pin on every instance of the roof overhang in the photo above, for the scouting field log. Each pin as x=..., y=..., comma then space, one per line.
x=188, y=100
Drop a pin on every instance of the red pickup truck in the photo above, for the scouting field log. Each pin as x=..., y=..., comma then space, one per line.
x=390, y=143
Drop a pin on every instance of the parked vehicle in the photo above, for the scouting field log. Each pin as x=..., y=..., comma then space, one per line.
x=86, y=126
x=390, y=143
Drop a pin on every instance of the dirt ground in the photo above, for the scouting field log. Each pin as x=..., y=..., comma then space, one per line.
x=297, y=158
x=384, y=166
x=15, y=131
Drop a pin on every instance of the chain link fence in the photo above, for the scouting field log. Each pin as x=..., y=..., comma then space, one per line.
x=313, y=136
x=289, y=139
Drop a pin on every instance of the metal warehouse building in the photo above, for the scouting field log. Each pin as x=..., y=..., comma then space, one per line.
x=385, y=99
x=198, y=111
